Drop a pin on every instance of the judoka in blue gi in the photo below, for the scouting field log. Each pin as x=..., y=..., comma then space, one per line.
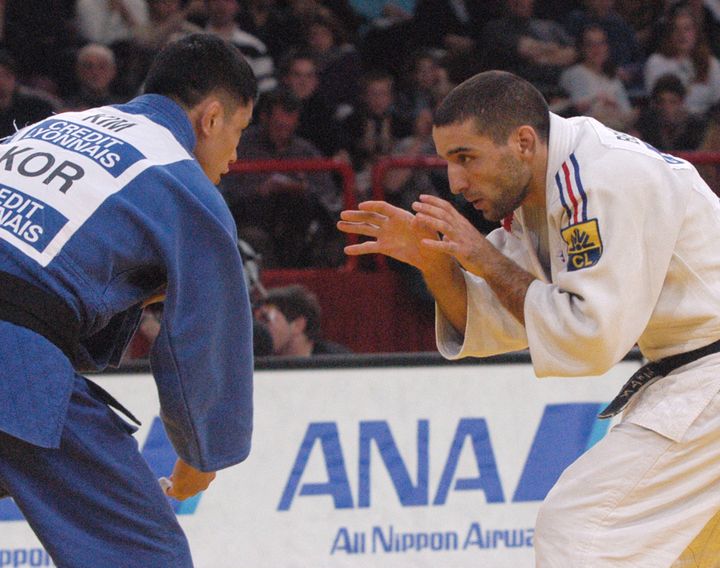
x=99, y=210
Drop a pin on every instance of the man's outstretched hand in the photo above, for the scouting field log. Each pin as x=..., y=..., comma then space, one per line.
x=393, y=232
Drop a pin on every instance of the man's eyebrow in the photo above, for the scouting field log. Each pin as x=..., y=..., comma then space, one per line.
x=458, y=150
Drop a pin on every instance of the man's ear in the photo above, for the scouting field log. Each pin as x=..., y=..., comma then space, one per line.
x=526, y=140
x=299, y=324
x=208, y=116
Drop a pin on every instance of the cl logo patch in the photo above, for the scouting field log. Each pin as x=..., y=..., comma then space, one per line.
x=584, y=244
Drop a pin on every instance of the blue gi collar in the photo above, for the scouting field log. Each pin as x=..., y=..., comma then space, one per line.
x=165, y=112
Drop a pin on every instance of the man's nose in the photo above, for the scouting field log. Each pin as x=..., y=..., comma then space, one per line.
x=457, y=178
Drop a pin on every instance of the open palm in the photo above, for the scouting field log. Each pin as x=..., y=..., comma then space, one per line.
x=395, y=232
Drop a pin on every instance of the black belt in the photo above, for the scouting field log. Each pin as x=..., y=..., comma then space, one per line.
x=651, y=371
x=28, y=306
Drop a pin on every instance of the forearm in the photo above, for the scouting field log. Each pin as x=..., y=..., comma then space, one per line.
x=447, y=285
x=508, y=281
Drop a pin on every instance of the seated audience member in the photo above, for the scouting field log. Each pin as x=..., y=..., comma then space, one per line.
x=42, y=39
x=537, y=50
x=19, y=106
x=292, y=315
x=221, y=16
x=623, y=47
x=454, y=26
x=374, y=127
x=403, y=186
x=299, y=74
x=289, y=218
x=593, y=85
x=420, y=86
x=683, y=51
x=337, y=60
x=272, y=23
x=167, y=22
x=110, y=21
x=665, y=122
x=95, y=71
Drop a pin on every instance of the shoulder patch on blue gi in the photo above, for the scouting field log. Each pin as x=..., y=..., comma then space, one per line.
x=584, y=244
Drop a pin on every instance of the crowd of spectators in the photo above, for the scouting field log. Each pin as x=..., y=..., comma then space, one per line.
x=355, y=80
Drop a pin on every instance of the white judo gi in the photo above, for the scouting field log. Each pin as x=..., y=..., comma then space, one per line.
x=626, y=254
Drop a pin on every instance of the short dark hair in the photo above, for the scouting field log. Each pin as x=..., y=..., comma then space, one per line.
x=292, y=55
x=197, y=65
x=669, y=83
x=498, y=102
x=279, y=97
x=296, y=301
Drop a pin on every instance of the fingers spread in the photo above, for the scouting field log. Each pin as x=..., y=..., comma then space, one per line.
x=358, y=228
x=362, y=216
x=368, y=247
x=433, y=223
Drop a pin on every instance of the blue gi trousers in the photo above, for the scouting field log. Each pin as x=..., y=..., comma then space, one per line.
x=94, y=502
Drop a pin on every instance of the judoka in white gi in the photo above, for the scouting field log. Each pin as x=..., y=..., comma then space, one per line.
x=605, y=243
x=99, y=211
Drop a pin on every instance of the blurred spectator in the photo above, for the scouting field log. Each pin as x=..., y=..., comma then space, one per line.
x=41, y=37
x=337, y=61
x=341, y=11
x=288, y=218
x=292, y=315
x=593, y=85
x=421, y=86
x=641, y=16
x=705, y=12
x=95, y=71
x=684, y=52
x=299, y=74
x=665, y=122
x=537, y=50
x=276, y=26
x=221, y=21
x=167, y=21
x=19, y=106
x=109, y=21
x=455, y=27
x=373, y=129
x=404, y=185
x=624, y=50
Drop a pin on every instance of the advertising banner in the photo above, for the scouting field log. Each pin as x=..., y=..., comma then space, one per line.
x=403, y=466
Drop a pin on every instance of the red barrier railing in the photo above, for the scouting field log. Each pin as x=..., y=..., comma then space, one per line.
x=310, y=165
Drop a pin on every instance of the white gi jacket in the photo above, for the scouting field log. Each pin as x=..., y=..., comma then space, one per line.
x=632, y=260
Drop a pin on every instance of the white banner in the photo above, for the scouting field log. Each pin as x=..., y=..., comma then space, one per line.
x=435, y=466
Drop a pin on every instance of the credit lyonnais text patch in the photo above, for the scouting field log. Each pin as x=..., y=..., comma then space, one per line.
x=584, y=244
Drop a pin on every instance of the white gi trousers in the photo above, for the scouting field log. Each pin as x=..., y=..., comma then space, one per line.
x=636, y=499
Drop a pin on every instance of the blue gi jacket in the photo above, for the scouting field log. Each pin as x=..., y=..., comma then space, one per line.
x=100, y=208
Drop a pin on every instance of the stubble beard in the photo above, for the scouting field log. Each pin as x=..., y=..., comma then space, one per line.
x=514, y=183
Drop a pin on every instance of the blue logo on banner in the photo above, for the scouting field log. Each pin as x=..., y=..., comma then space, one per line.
x=109, y=152
x=30, y=220
x=566, y=431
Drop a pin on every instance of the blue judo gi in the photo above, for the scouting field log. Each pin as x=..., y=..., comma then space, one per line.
x=98, y=209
